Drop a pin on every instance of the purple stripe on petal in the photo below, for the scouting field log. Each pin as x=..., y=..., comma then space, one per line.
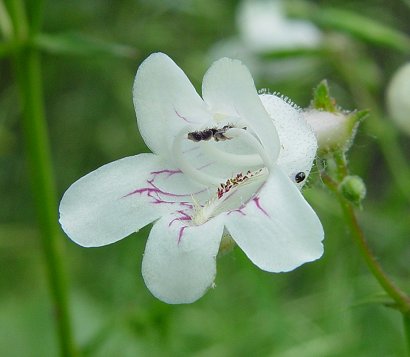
x=158, y=196
x=185, y=119
x=258, y=205
x=166, y=171
x=181, y=233
x=183, y=217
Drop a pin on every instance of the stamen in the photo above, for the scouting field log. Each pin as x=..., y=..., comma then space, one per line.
x=186, y=167
x=235, y=181
x=230, y=195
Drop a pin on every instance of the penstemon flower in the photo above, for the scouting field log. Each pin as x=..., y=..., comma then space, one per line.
x=231, y=162
x=264, y=26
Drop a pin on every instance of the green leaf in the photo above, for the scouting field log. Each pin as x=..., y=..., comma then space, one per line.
x=6, y=48
x=364, y=28
x=377, y=298
x=79, y=45
x=359, y=26
x=322, y=99
x=294, y=52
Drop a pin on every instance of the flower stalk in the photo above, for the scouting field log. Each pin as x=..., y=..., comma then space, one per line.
x=26, y=61
x=27, y=68
x=350, y=190
x=401, y=299
x=387, y=136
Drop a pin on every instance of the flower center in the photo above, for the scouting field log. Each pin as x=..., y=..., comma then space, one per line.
x=231, y=195
x=226, y=133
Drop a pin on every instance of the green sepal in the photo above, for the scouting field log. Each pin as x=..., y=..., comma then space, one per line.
x=322, y=99
x=353, y=122
x=358, y=116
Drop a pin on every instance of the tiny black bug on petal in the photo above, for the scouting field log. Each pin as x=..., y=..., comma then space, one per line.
x=299, y=177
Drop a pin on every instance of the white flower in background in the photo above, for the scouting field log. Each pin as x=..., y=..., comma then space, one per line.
x=263, y=25
x=398, y=98
x=231, y=161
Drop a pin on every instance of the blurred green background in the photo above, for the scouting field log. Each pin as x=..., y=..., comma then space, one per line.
x=325, y=308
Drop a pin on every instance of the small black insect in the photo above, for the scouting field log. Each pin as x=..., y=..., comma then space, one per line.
x=300, y=177
x=211, y=133
x=196, y=136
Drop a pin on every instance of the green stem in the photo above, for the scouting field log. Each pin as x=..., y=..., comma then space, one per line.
x=340, y=160
x=406, y=322
x=27, y=67
x=28, y=74
x=387, y=136
x=400, y=298
x=35, y=9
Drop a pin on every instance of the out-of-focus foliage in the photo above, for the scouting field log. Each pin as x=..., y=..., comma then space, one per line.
x=326, y=308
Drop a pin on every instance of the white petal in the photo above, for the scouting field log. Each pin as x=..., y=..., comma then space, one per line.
x=119, y=198
x=277, y=230
x=298, y=141
x=165, y=101
x=228, y=89
x=179, y=260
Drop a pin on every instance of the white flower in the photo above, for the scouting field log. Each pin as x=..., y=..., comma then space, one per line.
x=398, y=98
x=242, y=179
x=264, y=26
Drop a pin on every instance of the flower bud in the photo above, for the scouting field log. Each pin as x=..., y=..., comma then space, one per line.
x=329, y=128
x=334, y=131
x=353, y=189
x=398, y=98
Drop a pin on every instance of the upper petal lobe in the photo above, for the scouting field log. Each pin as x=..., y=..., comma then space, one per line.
x=228, y=88
x=165, y=101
